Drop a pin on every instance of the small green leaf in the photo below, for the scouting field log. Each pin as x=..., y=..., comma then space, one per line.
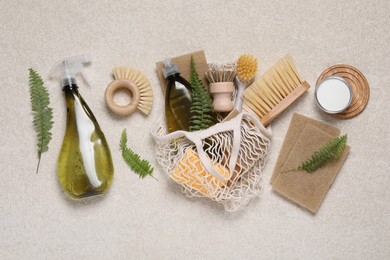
x=331, y=150
x=140, y=167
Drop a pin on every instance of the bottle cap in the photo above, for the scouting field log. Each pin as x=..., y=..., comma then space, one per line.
x=169, y=68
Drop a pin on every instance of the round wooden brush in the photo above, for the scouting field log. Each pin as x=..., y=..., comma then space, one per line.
x=221, y=79
x=141, y=81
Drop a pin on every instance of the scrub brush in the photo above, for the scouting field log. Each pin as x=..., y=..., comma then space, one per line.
x=246, y=72
x=274, y=91
x=221, y=79
x=141, y=81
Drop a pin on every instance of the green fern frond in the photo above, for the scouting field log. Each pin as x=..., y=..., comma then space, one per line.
x=42, y=113
x=140, y=167
x=123, y=142
x=331, y=150
x=202, y=112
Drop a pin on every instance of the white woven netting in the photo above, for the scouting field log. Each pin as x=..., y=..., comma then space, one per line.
x=212, y=163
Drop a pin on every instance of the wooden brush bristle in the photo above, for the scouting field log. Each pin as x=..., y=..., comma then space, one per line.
x=221, y=73
x=142, y=82
x=274, y=91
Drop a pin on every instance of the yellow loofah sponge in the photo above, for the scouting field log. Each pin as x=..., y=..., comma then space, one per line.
x=189, y=171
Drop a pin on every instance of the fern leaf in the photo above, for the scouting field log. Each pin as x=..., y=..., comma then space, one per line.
x=42, y=113
x=331, y=150
x=202, y=112
x=123, y=142
x=139, y=166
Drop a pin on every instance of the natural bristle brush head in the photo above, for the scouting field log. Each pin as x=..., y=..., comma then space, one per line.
x=274, y=91
x=221, y=72
x=246, y=67
x=138, y=79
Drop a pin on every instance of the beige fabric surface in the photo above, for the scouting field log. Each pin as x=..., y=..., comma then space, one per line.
x=146, y=219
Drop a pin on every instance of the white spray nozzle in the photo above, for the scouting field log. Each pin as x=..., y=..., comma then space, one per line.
x=67, y=69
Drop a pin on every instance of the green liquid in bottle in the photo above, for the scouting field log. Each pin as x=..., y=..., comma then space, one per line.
x=84, y=164
x=177, y=103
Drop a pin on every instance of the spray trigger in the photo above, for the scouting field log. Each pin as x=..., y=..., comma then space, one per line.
x=67, y=69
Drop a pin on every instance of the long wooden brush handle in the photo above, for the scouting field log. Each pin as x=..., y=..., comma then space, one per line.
x=279, y=108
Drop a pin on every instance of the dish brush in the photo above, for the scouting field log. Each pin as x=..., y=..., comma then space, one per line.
x=274, y=91
x=246, y=72
x=141, y=81
x=221, y=79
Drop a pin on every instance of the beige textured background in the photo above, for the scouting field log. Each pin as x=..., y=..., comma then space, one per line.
x=145, y=219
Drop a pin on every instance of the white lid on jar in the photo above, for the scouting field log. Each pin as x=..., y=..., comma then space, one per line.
x=333, y=94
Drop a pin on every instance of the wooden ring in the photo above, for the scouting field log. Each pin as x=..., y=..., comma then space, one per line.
x=116, y=85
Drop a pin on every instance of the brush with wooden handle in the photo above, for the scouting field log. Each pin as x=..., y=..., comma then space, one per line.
x=274, y=91
x=246, y=72
x=221, y=79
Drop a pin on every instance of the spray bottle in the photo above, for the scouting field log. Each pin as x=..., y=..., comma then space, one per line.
x=84, y=164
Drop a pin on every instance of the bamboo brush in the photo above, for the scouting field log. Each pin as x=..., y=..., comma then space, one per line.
x=246, y=72
x=221, y=79
x=141, y=81
x=274, y=91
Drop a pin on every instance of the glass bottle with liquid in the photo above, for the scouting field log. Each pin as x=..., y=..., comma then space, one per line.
x=178, y=98
x=84, y=164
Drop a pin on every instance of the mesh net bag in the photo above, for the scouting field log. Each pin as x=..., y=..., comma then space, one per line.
x=223, y=163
